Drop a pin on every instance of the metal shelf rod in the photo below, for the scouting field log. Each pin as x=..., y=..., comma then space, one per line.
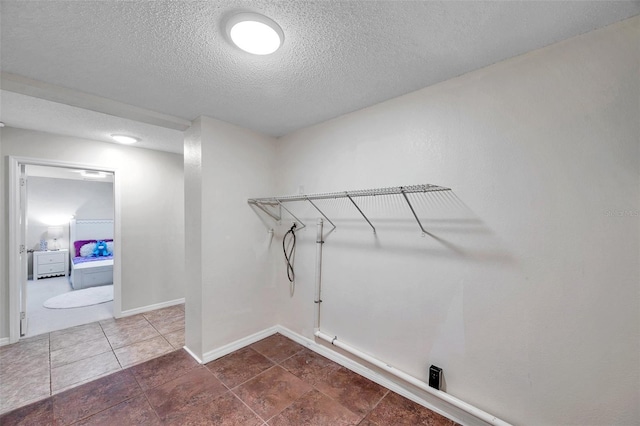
x=264, y=203
x=358, y=193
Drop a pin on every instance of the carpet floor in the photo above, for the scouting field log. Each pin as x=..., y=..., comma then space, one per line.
x=42, y=320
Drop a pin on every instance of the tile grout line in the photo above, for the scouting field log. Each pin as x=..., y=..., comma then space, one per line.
x=292, y=402
x=74, y=385
x=110, y=345
x=131, y=344
x=274, y=361
x=87, y=380
x=245, y=404
x=160, y=334
x=81, y=343
x=227, y=389
x=330, y=397
x=146, y=397
x=231, y=390
x=110, y=406
x=338, y=402
x=250, y=378
x=158, y=331
x=104, y=333
x=300, y=378
x=379, y=401
x=278, y=364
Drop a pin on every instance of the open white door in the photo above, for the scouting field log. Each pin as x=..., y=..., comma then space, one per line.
x=17, y=249
x=22, y=240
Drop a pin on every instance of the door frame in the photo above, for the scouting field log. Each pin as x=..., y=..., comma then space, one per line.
x=14, y=238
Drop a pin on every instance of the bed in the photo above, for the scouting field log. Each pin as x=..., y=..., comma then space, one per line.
x=89, y=271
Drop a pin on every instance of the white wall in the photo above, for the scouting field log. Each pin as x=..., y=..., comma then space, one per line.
x=228, y=256
x=52, y=201
x=529, y=300
x=152, y=208
x=193, y=238
x=4, y=237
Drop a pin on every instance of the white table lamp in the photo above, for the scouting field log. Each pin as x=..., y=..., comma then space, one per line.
x=54, y=233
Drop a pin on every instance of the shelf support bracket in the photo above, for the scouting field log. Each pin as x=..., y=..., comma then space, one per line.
x=263, y=207
x=361, y=212
x=292, y=215
x=323, y=215
x=404, y=194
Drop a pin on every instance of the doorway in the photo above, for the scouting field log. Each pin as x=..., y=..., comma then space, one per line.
x=54, y=196
x=48, y=223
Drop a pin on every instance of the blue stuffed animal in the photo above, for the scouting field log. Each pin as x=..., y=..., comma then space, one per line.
x=100, y=250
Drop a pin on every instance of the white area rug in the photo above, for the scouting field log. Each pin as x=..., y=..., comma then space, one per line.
x=78, y=298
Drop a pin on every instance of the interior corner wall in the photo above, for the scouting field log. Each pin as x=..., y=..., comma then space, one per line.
x=529, y=297
x=152, y=210
x=193, y=238
x=235, y=259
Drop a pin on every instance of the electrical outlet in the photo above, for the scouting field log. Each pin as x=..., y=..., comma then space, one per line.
x=435, y=377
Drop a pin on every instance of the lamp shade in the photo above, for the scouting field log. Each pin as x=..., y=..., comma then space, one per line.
x=55, y=232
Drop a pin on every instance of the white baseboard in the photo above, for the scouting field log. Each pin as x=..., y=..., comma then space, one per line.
x=438, y=406
x=190, y=352
x=238, y=344
x=4, y=341
x=444, y=409
x=148, y=308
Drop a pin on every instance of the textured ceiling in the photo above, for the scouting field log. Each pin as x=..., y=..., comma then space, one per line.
x=338, y=56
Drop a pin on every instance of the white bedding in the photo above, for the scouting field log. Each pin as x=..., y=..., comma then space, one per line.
x=98, y=272
x=94, y=264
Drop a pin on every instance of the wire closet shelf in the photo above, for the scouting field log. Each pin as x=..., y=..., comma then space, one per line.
x=273, y=206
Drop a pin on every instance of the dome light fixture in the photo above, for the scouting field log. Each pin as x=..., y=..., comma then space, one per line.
x=255, y=33
x=124, y=139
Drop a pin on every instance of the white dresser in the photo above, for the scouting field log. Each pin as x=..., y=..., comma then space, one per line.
x=50, y=263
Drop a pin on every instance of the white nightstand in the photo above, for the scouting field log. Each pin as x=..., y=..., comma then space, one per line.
x=50, y=263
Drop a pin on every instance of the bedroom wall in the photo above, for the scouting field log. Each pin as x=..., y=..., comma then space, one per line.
x=152, y=211
x=50, y=200
x=529, y=296
x=230, y=289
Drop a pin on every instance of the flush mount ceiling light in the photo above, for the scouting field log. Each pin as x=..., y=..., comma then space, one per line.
x=127, y=140
x=255, y=33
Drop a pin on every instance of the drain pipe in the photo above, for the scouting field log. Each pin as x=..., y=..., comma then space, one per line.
x=493, y=420
x=476, y=412
x=317, y=301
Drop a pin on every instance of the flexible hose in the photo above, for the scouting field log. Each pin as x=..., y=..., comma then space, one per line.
x=291, y=233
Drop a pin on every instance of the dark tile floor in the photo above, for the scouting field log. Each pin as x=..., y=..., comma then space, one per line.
x=50, y=363
x=272, y=382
